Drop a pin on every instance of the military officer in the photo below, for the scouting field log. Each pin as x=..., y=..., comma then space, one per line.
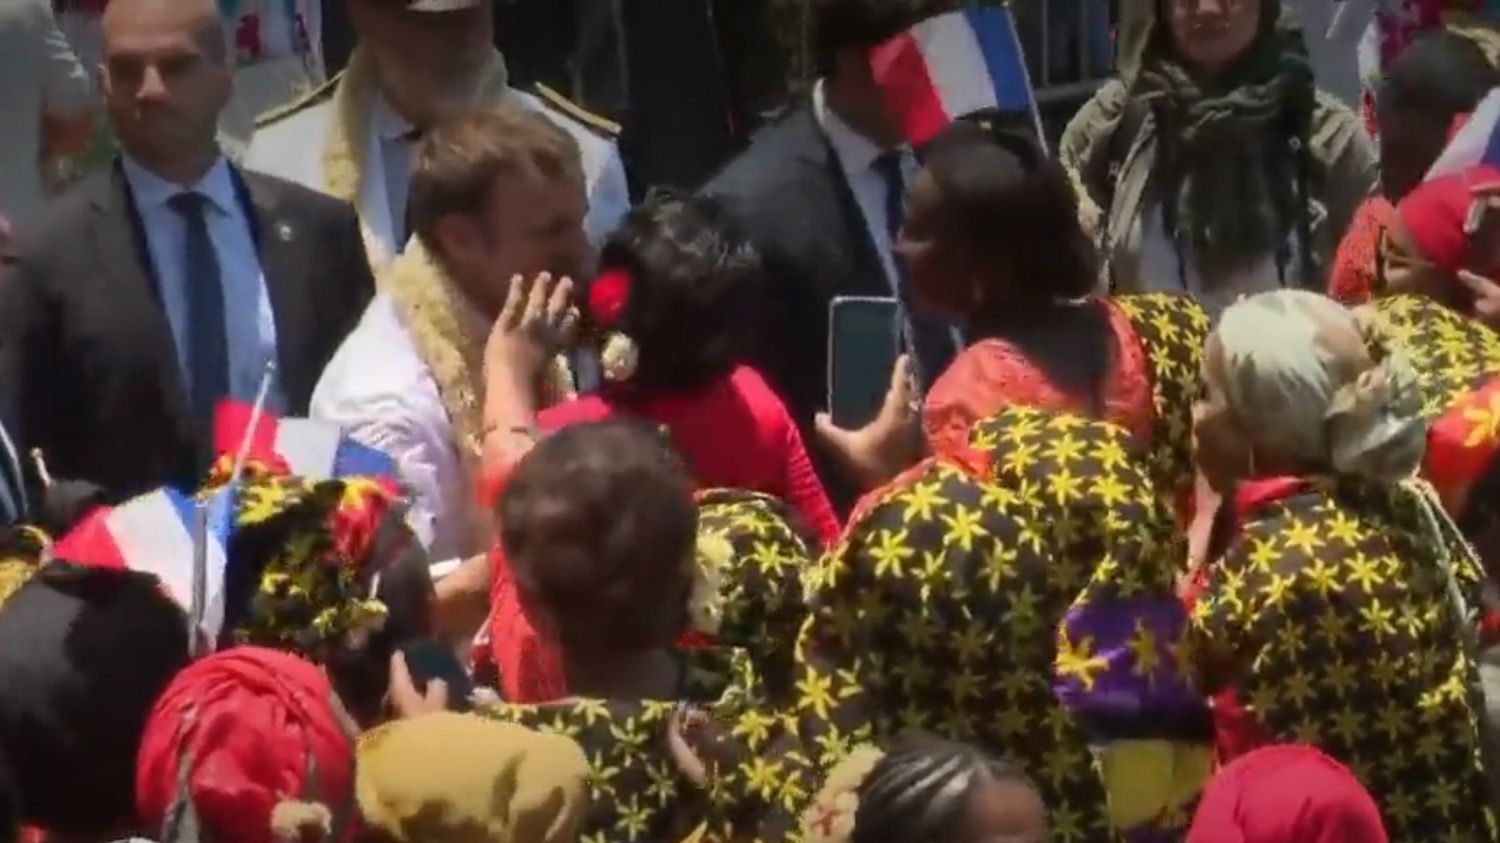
x=415, y=62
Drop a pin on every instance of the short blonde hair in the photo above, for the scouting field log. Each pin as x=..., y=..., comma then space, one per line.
x=457, y=163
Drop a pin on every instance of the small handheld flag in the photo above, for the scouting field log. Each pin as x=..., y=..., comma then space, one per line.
x=1476, y=142
x=159, y=534
x=318, y=450
x=951, y=65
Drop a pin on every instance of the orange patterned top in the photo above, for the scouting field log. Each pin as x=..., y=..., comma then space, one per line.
x=1356, y=272
x=993, y=375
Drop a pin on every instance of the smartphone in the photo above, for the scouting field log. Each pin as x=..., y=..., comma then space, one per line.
x=427, y=660
x=864, y=340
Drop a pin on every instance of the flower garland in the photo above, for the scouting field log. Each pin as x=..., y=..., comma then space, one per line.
x=830, y=819
x=450, y=335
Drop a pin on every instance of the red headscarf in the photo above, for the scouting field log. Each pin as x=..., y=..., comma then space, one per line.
x=254, y=743
x=1286, y=794
x=1435, y=212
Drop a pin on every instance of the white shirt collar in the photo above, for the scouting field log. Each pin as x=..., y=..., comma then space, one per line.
x=856, y=153
x=388, y=124
x=217, y=186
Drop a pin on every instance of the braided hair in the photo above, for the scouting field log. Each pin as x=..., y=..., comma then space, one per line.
x=920, y=789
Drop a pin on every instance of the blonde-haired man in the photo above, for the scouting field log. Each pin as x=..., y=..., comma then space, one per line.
x=417, y=62
x=495, y=195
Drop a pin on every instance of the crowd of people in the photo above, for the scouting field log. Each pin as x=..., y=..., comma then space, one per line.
x=1179, y=521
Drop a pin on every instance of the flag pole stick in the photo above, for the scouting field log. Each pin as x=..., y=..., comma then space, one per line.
x=256, y=411
x=40, y=462
x=200, y=579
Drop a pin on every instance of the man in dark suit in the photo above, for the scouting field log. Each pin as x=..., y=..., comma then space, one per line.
x=170, y=280
x=821, y=192
x=688, y=80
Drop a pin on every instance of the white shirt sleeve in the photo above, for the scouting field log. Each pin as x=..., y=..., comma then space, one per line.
x=379, y=391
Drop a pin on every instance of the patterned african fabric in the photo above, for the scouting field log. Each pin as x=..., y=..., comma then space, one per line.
x=302, y=550
x=1453, y=355
x=1356, y=275
x=1330, y=619
x=993, y=374
x=1121, y=667
x=962, y=588
x=636, y=792
x=23, y=550
x=1458, y=366
x=1172, y=330
x=748, y=604
x=1159, y=340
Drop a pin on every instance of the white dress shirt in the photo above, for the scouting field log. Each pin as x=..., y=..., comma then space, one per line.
x=379, y=389
x=857, y=155
x=249, y=321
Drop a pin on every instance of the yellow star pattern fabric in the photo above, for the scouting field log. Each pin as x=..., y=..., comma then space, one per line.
x=1452, y=354
x=1172, y=331
x=940, y=610
x=1457, y=360
x=1330, y=618
x=736, y=676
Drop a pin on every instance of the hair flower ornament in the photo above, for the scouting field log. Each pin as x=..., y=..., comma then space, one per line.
x=608, y=296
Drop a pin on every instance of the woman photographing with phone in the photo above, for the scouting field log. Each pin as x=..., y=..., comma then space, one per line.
x=985, y=200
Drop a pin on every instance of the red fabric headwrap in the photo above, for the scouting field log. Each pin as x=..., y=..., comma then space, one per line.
x=1435, y=212
x=1286, y=794
x=252, y=726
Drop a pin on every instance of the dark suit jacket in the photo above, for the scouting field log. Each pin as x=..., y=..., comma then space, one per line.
x=88, y=367
x=789, y=194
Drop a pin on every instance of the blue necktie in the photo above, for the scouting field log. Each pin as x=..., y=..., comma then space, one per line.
x=208, y=351
x=929, y=341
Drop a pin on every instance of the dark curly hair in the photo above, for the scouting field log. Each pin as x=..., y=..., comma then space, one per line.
x=919, y=790
x=694, y=283
x=1015, y=211
x=599, y=525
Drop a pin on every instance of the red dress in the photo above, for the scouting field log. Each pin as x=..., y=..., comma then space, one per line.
x=734, y=434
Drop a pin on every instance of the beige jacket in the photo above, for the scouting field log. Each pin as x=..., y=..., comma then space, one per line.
x=1344, y=171
x=1344, y=174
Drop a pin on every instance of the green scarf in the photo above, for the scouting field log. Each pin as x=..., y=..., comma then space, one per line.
x=1226, y=167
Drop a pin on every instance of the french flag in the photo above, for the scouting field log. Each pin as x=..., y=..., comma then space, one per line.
x=153, y=534
x=318, y=450
x=1476, y=142
x=950, y=65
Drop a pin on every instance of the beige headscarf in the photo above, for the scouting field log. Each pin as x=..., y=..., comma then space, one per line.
x=457, y=778
x=1310, y=381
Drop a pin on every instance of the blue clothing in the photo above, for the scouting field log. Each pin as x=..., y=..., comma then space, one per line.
x=250, y=323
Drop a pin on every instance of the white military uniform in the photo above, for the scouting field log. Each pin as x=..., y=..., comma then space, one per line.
x=290, y=143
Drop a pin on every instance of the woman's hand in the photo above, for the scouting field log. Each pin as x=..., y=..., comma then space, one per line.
x=1483, y=229
x=537, y=322
x=406, y=701
x=886, y=446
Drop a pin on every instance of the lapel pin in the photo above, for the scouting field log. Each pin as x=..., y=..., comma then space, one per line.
x=284, y=231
